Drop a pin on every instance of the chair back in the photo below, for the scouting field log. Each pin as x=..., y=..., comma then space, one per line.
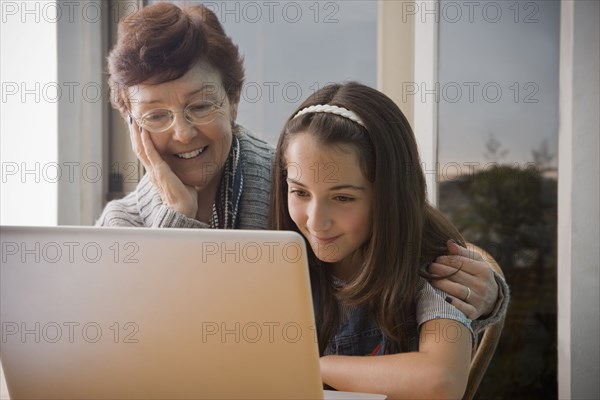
x=484, y=350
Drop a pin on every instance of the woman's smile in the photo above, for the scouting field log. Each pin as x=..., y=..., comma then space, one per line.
x=192, y=154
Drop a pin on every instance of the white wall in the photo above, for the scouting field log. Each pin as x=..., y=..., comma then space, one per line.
x=28, y=127
x=425, y=123
x=578, y=202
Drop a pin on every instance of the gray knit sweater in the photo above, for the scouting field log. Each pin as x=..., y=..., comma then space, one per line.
x=144, y=207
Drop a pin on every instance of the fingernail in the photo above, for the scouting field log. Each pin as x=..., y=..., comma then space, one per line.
x=448, y=299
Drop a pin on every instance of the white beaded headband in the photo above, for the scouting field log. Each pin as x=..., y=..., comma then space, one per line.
x=327, y=108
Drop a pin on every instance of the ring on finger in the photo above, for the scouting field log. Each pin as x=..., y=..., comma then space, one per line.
x=468, y=294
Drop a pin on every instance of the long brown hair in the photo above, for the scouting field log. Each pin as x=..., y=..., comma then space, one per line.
x=407, y=232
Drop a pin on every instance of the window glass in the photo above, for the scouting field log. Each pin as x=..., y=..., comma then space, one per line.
x=497, y=172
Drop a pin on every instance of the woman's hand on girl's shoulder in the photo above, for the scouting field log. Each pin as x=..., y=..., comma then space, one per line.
x=473, y=289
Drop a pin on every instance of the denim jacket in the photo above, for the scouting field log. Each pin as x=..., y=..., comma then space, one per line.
x=359, y=335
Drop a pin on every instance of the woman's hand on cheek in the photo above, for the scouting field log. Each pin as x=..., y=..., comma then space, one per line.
x=173, y=192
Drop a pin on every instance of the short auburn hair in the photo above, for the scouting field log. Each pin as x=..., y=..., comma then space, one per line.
x=161, y=42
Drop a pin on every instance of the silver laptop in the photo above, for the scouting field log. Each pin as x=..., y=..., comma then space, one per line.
x=156, y=313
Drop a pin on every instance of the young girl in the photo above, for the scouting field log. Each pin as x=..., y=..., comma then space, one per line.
x=347, y=176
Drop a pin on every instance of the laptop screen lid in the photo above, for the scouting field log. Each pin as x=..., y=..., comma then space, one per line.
x=156, y=313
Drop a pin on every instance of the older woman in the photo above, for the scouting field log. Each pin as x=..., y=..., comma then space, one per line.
x=176, y=78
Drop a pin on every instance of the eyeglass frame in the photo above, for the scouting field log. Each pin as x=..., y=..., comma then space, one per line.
x=140, y=121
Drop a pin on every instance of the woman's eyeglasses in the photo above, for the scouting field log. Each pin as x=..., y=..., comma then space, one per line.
x=160, y=120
